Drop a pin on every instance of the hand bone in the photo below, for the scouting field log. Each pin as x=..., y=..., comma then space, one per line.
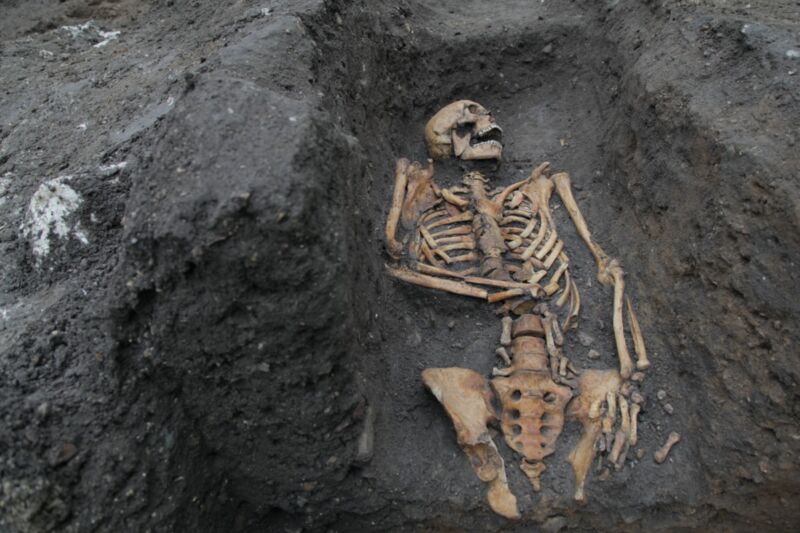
x=661, y=454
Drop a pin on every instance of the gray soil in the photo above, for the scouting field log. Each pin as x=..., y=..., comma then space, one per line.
x=213, y=345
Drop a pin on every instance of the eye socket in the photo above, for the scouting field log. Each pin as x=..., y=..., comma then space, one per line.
x=464, y=130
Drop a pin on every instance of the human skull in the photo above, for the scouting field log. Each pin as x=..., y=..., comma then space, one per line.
x=466, y=130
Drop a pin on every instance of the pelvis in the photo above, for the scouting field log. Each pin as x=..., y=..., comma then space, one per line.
x=531, y=405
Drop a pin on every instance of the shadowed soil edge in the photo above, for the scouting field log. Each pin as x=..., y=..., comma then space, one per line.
x=196, y=332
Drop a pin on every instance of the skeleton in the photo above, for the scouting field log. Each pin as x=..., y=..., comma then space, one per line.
x=503, y=246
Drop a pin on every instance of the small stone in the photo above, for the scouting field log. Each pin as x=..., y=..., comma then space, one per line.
x=640, y=453
x=554, y=524
x=63, y=453
x=308, y=486
x=548, y=49
x=638, y=377
x=585, y=339
x=604, y=475
x=668, y=408
x=792, y=54
x=593, y=354
x=636, y=397
x=661, y=395
x=451, y=324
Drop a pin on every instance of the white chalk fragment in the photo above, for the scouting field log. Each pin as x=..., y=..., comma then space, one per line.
x=107, y=37
x=49, y=213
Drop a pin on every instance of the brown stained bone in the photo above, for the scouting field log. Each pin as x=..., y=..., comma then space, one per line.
x=394, y=247
x=661, y=454
x=532, y=403
x=528, y=253
x=466, y=216
x=534, y=472
x=503, y=354
x=504, y=295
x=445, y=138
x=620, y=441
x=642, y=363
x=467, y=399
x=625, y=416
x=505, y=336
x=633, y=437
x=463, y=229
x=609, y=272
x=547, y=246
x=454, y=199
x=595, y=385
x=455, y=287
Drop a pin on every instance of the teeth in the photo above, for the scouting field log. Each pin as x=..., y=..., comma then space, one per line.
x=487, y=129
x=488, y=142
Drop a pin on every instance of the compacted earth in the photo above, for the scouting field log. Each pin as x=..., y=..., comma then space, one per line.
x=196, y=329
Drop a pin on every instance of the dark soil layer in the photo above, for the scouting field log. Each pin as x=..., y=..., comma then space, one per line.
x=210, y=342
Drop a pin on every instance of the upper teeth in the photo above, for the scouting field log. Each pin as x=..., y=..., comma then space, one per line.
x=488, y=142
x=487, y=129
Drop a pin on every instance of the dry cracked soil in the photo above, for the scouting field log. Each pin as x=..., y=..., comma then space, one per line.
x=196, y=330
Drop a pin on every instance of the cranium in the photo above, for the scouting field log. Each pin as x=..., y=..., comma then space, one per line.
x=466, y=130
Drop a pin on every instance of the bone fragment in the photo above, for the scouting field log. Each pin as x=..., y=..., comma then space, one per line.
x=558, y=336
x=432, y=214
x=562, y=367
x=594, y=386
x=503, y=354
x=539, y=237
x=633, y=436
x=503, y=372
x=554, y=253
x=625, y=423
x=463, y=229
x=537, y=276
x=636, y=397
x=438, y=271
x=596, y=409
x=547, y=246
x=642, y=363
x=428, y=237
x=463, y=217
x=498, y=283
x=426, y=251
x=565, y=294
x=611, y=414
x=620, y=440
x=593, y=354
x=668, y=408
x=463, y=244
x=505, y=295
x=534, y=472
x=514, y=243
x=431, y=282
x=454, y=199
x=626, y=389
x=516, y=200
x=638, y=377
x=468, y=257
x=528, y=229
x=400, y=183
x=505, y=221
x=505, y=336
x=466, y=397
x=661, y=454
x=441, y=253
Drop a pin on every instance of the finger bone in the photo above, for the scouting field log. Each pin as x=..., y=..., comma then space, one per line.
x=505, y=336
x=661, y=454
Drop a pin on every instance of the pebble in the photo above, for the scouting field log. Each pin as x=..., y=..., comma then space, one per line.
x=668, y=408
x=593, y=354
x=661, y=395
x=585, y=339
x=640, y=452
